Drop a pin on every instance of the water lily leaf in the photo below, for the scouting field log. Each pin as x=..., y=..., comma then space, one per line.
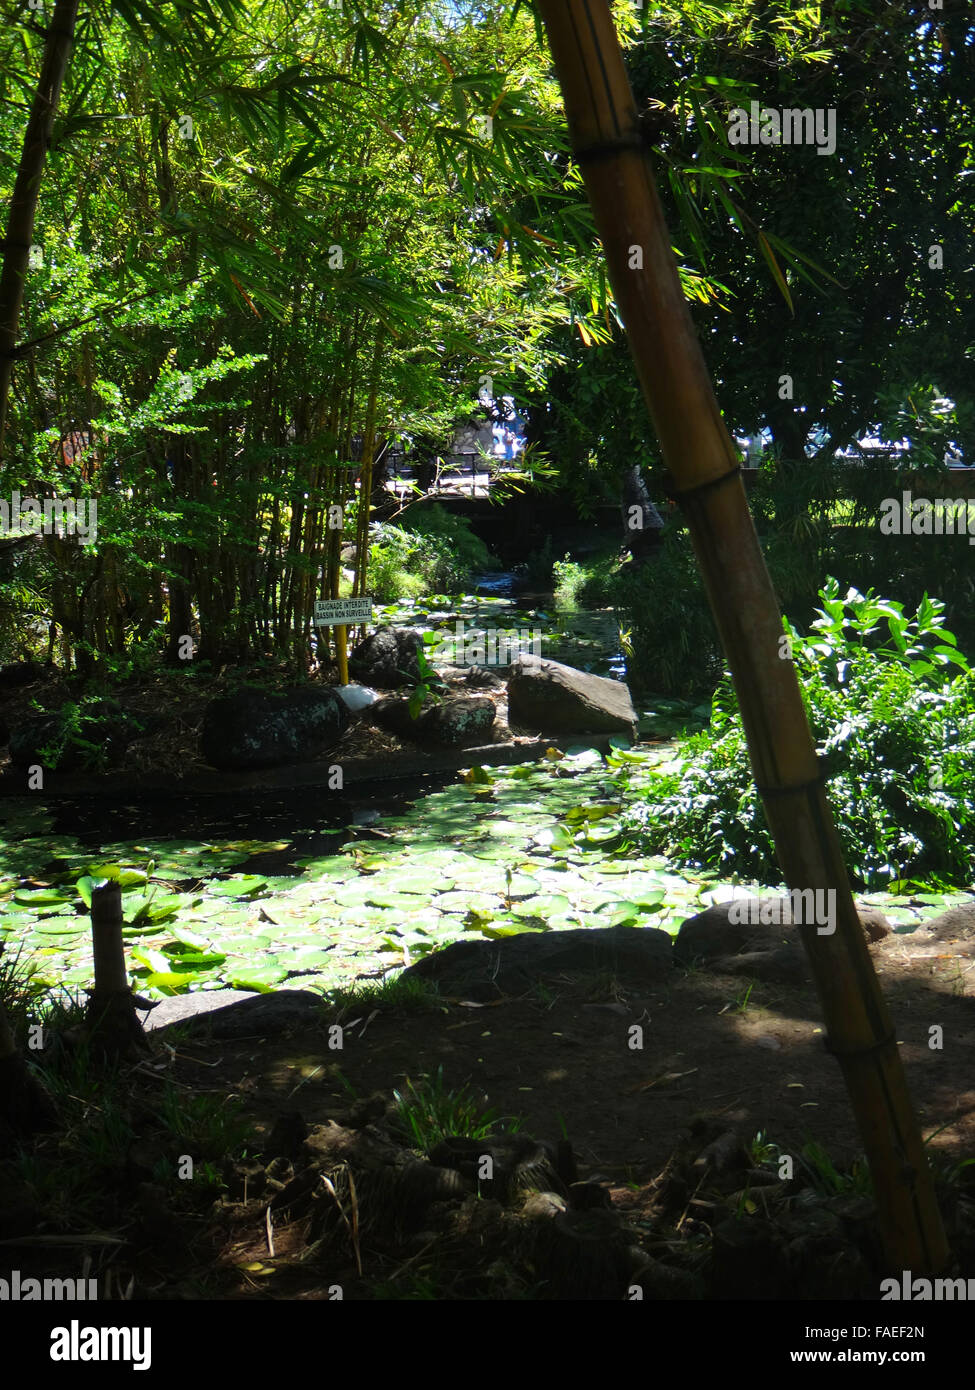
x=308, y=960
x=379, y=897
x=59, y=926
x=240, y=886
x=179, y=956
x=168, y=982
x=649, y=902
x=553, y=837
x=599, y=834
x=336, y=865
x=542, y=905
x=261, y=978
x=619, y=913
x=496, y=932
x=115, y=873
x=468, y=901
x=41, y=897
x=149, y=959
x=592, y=811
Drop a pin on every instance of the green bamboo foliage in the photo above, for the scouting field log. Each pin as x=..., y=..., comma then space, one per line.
x=19, y=236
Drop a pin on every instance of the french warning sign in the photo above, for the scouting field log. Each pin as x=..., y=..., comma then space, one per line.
x=337, y=612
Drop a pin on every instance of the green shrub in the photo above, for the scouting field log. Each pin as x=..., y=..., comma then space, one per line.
x=816, y=521
x=891, y=702
x=585, y=583
x=452, y=551
x=390, y=575
x=431, y=551
x=672, y=645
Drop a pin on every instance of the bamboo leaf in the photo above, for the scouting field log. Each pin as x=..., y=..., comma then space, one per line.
x=773, y=265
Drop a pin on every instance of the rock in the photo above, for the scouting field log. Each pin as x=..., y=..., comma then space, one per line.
x=557, y=699
x=454, y=722
x=233, y=1013
x=19, y=673
x=749, y=1259
x=711, y=936
x=481, y=678
x=356, y=697
x=669, y=1283
x=255, y=729
x=470, y=677
x=482, y=970
x=518, y=1164
x=874, y=922
x=586, y=1256
x=53, y=743
x=957, y=924
x=783, y=965
x=388, y=658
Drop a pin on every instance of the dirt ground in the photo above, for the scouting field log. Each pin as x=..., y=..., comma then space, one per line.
x=559, y=1058
x=719, y=1053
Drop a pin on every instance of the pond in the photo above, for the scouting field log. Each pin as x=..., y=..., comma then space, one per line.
x=588, y=639
x=322, y=893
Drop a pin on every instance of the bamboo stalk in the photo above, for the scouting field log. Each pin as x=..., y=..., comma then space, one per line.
x=703, y=462
x=27, y=187
x=111, y=1017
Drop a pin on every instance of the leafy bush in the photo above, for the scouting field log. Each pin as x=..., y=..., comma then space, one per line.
x=891, y=702
x=537, y=570
x=390, y=558
x=813, y=522
x=431, y=551
x=581, y=583
x=672, y=646
x=453, y=552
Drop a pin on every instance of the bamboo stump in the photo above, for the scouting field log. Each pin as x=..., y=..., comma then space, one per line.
x=113, y=1024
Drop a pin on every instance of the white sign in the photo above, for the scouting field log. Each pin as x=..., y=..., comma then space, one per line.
x=333, y=612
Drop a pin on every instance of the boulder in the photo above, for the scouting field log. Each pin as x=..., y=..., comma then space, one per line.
x=59, y=744
x=557, y=699
x=458, y=723
x=762, y=950
x=388, y=658
x=483, y=970
x=253, y=729
x=957, y=924
x=356, y=697
x=474, y=677
x=20, y=673
x=233, y=1013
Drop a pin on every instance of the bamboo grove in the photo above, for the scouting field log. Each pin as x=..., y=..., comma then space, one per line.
x=270, y=240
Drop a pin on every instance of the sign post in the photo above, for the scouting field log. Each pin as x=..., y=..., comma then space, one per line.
x=338, y=613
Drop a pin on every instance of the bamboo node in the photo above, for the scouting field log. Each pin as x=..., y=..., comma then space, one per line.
x=886, y=1041
x=795, y=789
x=680, y=493
x=608, y=149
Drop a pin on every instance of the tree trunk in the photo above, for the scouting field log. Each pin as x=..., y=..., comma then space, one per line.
x=27, y=187
x=703, y=461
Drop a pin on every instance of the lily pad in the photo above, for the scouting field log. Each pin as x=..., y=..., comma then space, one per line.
x=240, y=886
